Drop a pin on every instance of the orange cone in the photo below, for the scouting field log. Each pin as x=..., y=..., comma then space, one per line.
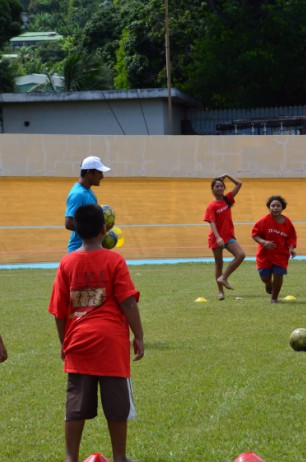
x=96, y=458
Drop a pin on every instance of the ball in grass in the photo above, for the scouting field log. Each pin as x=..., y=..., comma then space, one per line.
x=109, y=215
x=298, y=339
x=110, y=240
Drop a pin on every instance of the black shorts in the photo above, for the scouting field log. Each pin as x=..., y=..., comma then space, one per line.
x=82, y=397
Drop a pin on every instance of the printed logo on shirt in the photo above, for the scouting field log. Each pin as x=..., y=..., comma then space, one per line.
x=276, y=231
x=222, y=209
x=87, y=299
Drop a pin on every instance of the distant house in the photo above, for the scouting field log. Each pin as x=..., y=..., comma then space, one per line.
x=39, y=83
x=32, y=38
x=111, y=112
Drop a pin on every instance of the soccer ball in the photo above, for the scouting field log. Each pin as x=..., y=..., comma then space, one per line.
x=298, y=339
x=109, y=215
x=110, y=240
x=120, y=236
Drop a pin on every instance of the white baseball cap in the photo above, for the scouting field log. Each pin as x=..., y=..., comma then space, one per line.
x=93, y=162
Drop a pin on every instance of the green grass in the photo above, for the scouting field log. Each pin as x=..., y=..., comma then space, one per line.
x=218, y=378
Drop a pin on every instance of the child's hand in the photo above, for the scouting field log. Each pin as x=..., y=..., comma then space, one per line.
x=138, y=349
x=220, y=242
x=269, y=245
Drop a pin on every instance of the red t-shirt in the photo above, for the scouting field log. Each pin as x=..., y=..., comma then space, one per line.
x=221, y=214
x=282, y=234
x=87, y=291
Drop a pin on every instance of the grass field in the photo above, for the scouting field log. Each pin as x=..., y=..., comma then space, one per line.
x=217, y=379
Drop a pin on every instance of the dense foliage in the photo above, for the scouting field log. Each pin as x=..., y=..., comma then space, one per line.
x=224, y=52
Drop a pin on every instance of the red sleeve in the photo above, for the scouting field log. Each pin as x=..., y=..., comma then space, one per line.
x=292, y=238
x=60, y=296
x=257, y=228
x=123, y=284
x=210, y=213
x=231, y=198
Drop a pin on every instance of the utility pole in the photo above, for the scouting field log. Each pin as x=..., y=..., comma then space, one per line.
x=168, y=67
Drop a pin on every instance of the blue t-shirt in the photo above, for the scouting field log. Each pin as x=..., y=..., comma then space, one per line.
x=78, y=195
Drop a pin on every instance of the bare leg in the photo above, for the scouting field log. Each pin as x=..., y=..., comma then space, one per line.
x=239, y=256
x=73, y=433
x=268, y=283
x=276, y=287
x=118, y=434
x=218, y=256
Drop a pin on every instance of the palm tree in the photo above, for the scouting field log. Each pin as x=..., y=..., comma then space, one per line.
x=83, y=72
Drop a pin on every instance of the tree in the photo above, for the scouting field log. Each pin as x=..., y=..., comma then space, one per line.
x=10, y=20
x=7, y=84
x=102, y=32
x=131, y=37
x=86, y=72
x=250, y=55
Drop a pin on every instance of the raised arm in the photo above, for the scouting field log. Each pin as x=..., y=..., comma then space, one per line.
x=236, y=182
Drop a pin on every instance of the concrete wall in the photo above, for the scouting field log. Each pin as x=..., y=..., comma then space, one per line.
x=155, y=156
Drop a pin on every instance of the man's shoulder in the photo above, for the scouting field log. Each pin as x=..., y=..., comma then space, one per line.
x=76, y=187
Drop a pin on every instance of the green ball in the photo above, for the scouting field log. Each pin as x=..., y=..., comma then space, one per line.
x=110, y=240
x=109, y=215
x=298, y=339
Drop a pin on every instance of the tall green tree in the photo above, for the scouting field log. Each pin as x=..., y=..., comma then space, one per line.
x=131, y=37
x=250, y=54
x=7, y=75
x=143, y=39
x=10, y=20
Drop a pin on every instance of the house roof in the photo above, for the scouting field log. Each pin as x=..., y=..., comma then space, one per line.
x=178, y=97
x=36, y=37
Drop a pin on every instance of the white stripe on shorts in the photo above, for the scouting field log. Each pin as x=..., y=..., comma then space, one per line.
x=132, y=413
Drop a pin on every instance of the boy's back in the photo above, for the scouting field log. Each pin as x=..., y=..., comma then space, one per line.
x=88, y=289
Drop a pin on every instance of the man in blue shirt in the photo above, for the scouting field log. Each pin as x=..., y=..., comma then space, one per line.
x=92, y=170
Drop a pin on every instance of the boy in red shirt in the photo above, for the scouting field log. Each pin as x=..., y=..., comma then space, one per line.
x=276, y=238
x=94, y=302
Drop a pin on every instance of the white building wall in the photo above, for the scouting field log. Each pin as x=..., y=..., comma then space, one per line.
x=139, y=117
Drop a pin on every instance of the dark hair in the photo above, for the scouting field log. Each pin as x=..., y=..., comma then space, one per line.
x=214, y=181
x=88, y=220
x=276, y=198
x=83, y=172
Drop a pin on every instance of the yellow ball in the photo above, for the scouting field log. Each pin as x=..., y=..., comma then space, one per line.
x=120, y=236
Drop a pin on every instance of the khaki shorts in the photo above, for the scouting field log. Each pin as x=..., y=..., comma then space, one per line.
x=82, y=397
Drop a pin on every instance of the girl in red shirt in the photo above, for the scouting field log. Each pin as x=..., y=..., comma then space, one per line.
x=221, y=235
x=276, y=238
